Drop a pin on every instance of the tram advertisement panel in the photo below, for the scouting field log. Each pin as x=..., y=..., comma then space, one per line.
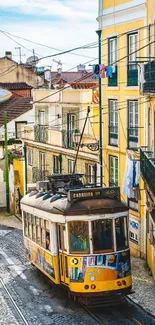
x=40, y=257
x=102, y=267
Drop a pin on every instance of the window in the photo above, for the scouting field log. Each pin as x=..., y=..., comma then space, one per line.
x=42, y=163
x=133, y=231
x=70, y=129
x=121, y=233
x=19, y=127
x=113, y=171
x=102, y=234
x=78, y=237
x=132, y=72
x=152, y=228
x=91, y=173
x=41, y=118
x=25, y=224
x=113, y=122
x=70, y=166
x=56, y=164
x=132, y=123
x=30, y=157
x=43, y=234
x=48, y=247
x=112, y=58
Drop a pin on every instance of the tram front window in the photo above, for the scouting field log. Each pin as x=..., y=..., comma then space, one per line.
x=78, y=235
x=121, y=233
x=102, y=232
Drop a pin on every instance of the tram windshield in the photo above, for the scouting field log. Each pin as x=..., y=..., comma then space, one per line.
x=102, y=232
x=78, y=237
x=121, y=233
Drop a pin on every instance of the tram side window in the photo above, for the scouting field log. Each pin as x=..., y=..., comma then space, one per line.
x=38, y=231
x=25, y=224
x=102, y=232
x=43, y=234
x=121, y=233
x=29, y=225
x=79, y=237
x=47, y=236
x=33, y=218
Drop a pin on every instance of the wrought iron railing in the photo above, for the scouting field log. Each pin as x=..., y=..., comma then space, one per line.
x=132, y=75
x=67, y=139
x=132, y=137
x=113, y=135
x=147, y=167
x=112, y=82
x=38, y=175
x=149, y=76
x=40, y=133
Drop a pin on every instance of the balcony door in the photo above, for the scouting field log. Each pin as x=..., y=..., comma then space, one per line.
x=70, y=129
x=42, y=164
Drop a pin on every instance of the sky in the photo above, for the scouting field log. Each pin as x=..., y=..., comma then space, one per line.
x=60, y=24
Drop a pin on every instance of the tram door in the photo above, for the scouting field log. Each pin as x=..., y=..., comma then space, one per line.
x=63, y=260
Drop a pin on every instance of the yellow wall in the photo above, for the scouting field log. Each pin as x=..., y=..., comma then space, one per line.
x=19, y=174
x=110, y=3
x=151, y=256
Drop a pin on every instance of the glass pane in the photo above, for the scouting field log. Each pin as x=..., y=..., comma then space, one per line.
x=48, y=240
x=38, y=233
x=43, y=238
x=34, y=233
x=79, y=239
x=121, y=233
x=102, y=235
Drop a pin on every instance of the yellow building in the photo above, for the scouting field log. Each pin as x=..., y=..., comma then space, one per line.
x=50, y=144
x=147, y=156
x=124, y=38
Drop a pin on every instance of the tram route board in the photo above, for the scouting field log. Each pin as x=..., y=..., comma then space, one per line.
x=87, y=193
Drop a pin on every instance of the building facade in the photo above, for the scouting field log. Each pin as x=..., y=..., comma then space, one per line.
x=124, y=39
x=50, y=143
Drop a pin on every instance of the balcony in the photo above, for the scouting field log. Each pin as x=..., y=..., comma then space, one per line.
x=112, y=82
x=149, y=76
x=132, y=138
x=147, y=167
x=113, y=136
x=40, y=133
x=38, y=174
x=132, y=75
x=67, y=139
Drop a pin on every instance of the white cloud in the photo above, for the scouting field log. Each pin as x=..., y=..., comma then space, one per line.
x=64, y=9
x=75, y=31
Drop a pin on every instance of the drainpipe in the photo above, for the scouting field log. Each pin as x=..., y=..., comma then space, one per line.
x=99, y=33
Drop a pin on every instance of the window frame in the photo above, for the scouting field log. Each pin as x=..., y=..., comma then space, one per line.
x=30, y=157
x=69, y=243
x=69, y=161
x=133, y=122
x=112, y=48
x=113, y=122
x=110, y=182
x=105, y=250
x=125, y=231
x=56, y=164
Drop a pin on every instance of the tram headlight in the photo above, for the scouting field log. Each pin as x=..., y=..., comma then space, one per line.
x=119, y=283
x=92, y=278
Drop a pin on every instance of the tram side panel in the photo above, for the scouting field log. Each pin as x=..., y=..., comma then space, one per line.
x=43, y=260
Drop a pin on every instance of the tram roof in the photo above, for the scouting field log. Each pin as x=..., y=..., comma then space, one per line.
x=77, y=202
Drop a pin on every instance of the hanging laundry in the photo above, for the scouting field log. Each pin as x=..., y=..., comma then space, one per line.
x=96, y=69
x=128, y=179
x=109, y=72
x=142, y=79
x=102, y=71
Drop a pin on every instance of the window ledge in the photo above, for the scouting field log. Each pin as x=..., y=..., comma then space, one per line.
x=132, y=88
x=114, y=148
x=112, y=88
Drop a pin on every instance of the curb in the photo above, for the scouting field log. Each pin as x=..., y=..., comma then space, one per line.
x=143, y=308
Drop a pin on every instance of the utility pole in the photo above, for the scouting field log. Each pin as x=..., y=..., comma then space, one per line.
x=99, y=33
x=6, y=165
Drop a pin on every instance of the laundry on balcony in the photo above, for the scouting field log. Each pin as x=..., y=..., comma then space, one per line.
x=131, y=178
x=142, y=78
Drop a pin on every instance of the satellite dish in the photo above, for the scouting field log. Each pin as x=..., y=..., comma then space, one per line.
x=32, y=61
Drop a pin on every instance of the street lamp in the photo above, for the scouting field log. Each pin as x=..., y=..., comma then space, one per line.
x=76, y=140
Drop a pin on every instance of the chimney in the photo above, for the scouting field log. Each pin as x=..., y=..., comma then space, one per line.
x=8, y=54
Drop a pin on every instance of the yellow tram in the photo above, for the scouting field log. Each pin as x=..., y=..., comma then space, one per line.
x=78, y=237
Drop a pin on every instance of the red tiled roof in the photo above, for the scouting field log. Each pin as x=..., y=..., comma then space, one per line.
x=72, y=77
x=14, y=107
x=15, y=85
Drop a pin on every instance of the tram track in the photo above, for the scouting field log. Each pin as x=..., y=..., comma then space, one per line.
x=16, y=308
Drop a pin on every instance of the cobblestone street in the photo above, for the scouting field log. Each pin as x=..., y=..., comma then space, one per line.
x=36, y=301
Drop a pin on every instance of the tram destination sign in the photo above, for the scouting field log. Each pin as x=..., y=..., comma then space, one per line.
x=91, y=193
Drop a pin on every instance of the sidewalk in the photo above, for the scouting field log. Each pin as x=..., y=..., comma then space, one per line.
x=10, y=221
x=143, y=285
